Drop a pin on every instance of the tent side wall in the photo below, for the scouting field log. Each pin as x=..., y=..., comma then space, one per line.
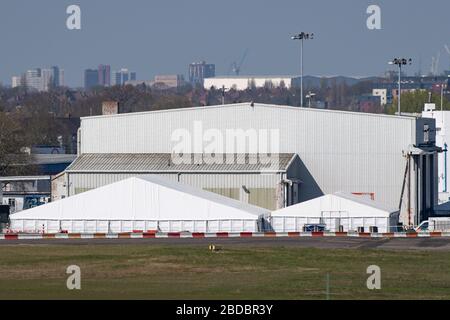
x=117, y=226
x=139, y=204
x=296, y=224
x=338, y=212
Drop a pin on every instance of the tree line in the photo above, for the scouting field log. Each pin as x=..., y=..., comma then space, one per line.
x=30, y=118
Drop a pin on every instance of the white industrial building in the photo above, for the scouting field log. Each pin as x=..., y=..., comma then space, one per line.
x=393, y=158
x=142, y=204
x=443, y=141
x=337, y=212
x=24, y=192
x=383, y=94
x=248, y=82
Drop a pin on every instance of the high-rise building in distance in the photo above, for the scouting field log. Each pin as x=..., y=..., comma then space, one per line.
x=90, y=78
x=47, y=79
x=198, y=71
x=104, y=75
x=122, y=76
x=97, y=77
x=40, y=79
x=17, y=81
x=33, y=79
x=57, y=76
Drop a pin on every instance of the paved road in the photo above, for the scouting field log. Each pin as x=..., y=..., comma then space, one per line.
x=331, y=242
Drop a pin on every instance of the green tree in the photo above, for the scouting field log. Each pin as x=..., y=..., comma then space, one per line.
x=413, y=102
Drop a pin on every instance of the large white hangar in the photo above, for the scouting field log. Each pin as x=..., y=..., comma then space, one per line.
x=392, y=158
x=149, y=203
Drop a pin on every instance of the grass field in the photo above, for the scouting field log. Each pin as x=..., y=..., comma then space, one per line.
x=165, y=272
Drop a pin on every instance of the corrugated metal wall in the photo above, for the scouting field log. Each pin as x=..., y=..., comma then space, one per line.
x=87, y=181
x=341, y=151
x=261, y=187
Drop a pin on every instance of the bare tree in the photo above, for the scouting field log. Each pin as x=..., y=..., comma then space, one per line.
x=13, y=159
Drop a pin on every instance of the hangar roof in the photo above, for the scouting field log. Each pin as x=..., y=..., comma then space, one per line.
x=253, y=106
x=166, y=162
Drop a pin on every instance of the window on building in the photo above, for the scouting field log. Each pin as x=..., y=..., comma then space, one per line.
x=12, y=203
x=426, y=133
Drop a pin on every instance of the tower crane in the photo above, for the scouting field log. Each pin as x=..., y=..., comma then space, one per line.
x=447, y=48
x=236, y=67
x=435, y=64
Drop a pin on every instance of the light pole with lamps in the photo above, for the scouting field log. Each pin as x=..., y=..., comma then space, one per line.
x=400, y=62
x=302, y=36
x=309, y=96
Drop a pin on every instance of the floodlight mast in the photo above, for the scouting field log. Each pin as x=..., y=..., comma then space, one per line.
x=223, y=90
x=400, y=62
x=442, y=96
x=302, y=36
x=309, y=96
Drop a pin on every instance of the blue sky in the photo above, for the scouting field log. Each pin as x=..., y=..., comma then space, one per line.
x=164, y=36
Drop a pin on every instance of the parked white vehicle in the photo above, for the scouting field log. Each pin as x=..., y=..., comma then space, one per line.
x=435, y=224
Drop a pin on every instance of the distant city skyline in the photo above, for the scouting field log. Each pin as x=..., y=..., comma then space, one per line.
x=122, y=76
x=165, y=36
x=40, y=79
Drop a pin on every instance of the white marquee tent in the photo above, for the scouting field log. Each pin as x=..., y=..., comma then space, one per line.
x=144, y=204
x=338, y=211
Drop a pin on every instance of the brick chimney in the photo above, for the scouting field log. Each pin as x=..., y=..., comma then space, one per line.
x=110, y=107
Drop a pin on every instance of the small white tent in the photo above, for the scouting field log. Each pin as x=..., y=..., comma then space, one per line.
x=338, y=211
x=148, y=203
